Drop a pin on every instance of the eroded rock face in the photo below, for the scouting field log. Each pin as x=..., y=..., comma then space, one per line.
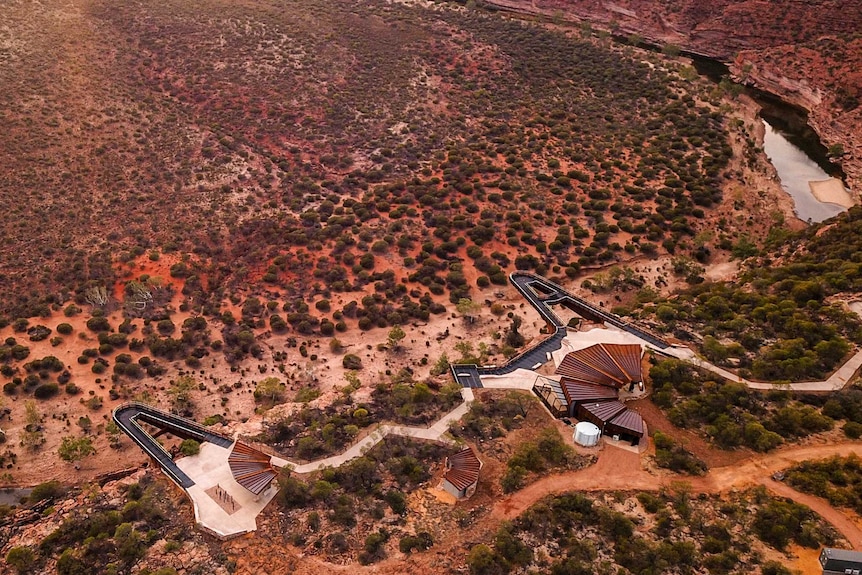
x=718, y=29
x=799, y=50
x=824, y=77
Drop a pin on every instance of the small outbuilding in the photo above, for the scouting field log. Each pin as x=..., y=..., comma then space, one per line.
x=628, y=426
x=578, y=393
x=840, y=562
x=462, y=473
x=599, y=413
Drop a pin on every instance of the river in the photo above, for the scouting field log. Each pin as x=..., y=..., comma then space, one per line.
x=795, y=170
x=791, y=145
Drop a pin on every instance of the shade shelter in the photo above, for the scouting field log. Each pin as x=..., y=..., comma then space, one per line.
x=251, y=468
x=551, y=393
x=615, y=365
x=462, y=473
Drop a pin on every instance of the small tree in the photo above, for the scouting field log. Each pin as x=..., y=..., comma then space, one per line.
x=190, y=447
x=465, y=348
x=396, y=334
x=270, y=389
x=114, y=435
x=32, y=437
x=74, y=449
x=442, y=364
x=352, y=380
x=513, y=336
x=181, y=394
x=468, y=309
x=671, y=50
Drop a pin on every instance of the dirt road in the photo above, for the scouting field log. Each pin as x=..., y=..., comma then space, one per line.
x=621, y=469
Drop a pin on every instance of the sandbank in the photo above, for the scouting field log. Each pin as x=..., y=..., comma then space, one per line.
x=832, y=191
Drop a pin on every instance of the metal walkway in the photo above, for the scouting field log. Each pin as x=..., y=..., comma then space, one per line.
x=530, y=285
x=467, y=375
x=128, y=415
x=541, y=294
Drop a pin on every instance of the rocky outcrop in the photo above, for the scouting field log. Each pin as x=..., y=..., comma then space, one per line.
x=717, y=29
x=795, y=91
x=802, y=51
x=823, y=77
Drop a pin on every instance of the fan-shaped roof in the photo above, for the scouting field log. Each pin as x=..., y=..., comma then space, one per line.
x=608, y=364
x=462, y=469
x=251, y=468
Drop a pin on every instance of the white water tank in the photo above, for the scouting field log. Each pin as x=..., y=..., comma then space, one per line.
x=586, y=434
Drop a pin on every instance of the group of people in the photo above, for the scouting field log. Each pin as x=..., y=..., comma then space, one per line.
x=226, y=498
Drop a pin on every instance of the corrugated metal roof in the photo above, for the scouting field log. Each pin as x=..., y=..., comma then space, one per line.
x=462, y=469
x=628, y=357
x=605, y=410
x=575, y=367
x=843, y=554
x=630, y=421
x=604, y=364
x=579, y=392
x=251, y=468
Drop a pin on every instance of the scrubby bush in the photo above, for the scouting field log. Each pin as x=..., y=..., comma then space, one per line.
x=352, y=362
x=46, y=390
x=674, y=457
x=190, y=447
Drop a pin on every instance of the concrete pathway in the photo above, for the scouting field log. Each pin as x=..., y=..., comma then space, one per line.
x=434, y=433
x=556, y=294
x=835, y=382
x=519, y=379
x=226, y=509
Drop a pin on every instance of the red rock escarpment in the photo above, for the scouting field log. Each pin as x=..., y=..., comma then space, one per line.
x=717, y=29
x=806, y=52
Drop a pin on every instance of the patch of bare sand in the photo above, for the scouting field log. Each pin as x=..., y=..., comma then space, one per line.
x=832, y=191
x=804, y=559
x=723, y=271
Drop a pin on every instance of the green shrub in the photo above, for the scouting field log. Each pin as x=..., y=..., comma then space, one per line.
x=190, y=447
x=98, y=324
x=47, y=490
x=674, y=457
x=46, y=390
x=852, y=429
x=21, y=559
x=419, y=542
x=352, y=362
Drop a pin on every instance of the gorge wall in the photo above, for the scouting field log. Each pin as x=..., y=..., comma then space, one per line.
x=806, y=52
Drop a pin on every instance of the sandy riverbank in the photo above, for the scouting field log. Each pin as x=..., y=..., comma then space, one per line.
x=832, y=191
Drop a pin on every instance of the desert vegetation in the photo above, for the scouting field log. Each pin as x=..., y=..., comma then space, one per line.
x=358, y=510
x=836, y=479
x=785, y=318
x=575, y=533
x=104, y=532
x=731, y=415
x=462, y=131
